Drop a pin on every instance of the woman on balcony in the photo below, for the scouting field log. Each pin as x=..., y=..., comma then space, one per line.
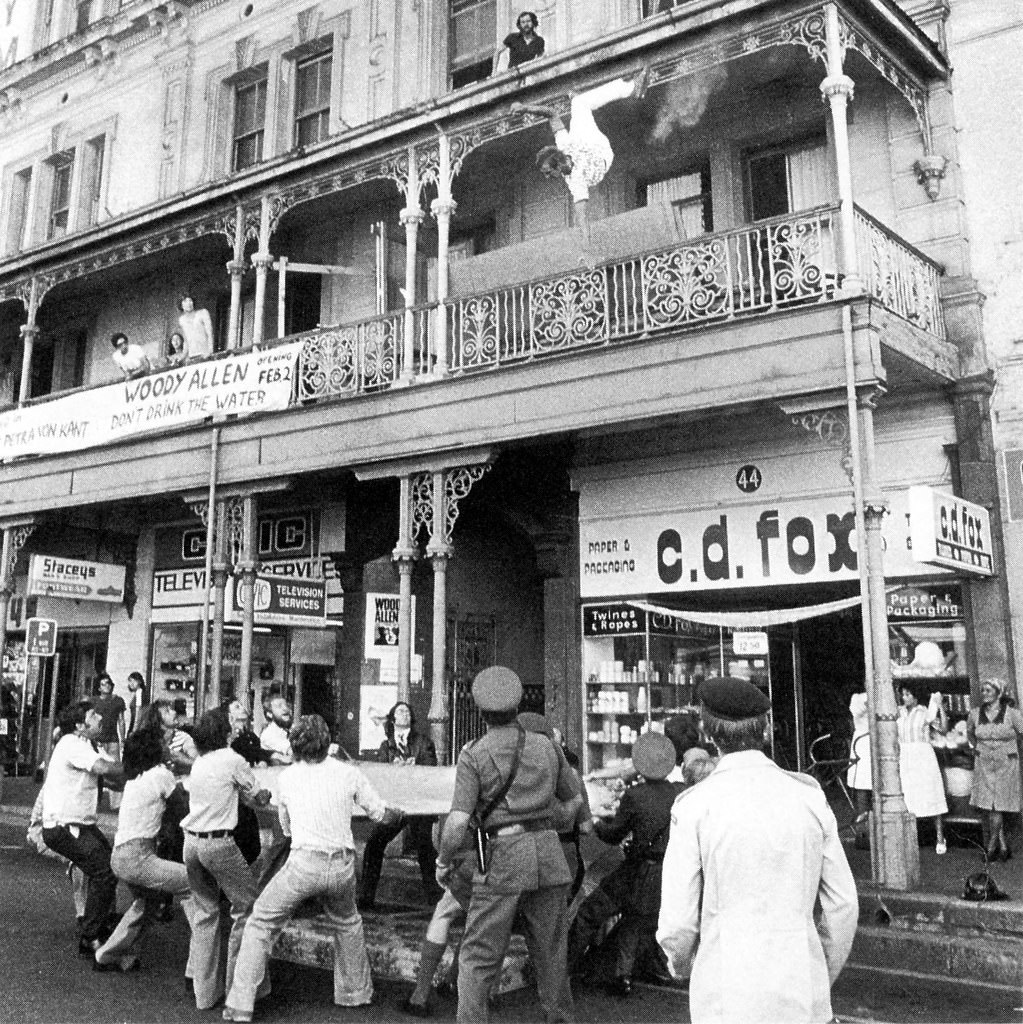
x=197, y=328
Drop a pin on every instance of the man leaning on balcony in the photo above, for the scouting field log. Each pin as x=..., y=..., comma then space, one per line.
x=582, y=153
x=129, y=356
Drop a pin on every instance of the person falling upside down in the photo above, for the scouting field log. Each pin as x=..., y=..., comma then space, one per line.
x=581, y=153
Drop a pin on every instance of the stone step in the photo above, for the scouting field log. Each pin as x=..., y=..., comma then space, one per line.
x=996, y=961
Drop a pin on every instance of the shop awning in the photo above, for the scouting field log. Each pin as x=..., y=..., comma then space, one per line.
x=753, y=619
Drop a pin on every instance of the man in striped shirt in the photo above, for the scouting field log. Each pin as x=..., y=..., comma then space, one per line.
x=316, y=796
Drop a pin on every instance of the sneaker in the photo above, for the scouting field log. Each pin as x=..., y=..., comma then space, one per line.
x=941, y=848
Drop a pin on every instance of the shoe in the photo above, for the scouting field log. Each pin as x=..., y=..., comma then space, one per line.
x=415, y=1009
x=230, y=1013
x=941, y=847
x=126, y=965
x=620, y=988
x=446, y=990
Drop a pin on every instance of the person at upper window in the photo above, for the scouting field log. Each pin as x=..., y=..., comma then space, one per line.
x=197, y=328
x=130, y=357
x=522, y=46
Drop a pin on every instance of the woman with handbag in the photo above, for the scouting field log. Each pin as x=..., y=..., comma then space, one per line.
x=994, y=730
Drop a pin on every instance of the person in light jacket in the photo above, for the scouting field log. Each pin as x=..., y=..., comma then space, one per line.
x=752, y=850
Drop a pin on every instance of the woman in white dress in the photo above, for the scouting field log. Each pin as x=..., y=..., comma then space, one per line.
x=922, y=784
x=197, y=328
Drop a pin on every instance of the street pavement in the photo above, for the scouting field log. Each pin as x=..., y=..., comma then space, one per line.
x=45, y=981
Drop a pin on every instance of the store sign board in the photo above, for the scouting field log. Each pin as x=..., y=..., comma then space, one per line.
x=766, y=544
x=950, y=532
x=75, y=579
x=284, y=601
x=257, y=381
x=613, y=620
x=925, y=604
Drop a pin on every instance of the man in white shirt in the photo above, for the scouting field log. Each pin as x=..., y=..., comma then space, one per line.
x=274, y=738
x=69, y=796
x=756, y=893
x=317, y=796
x=131, y=360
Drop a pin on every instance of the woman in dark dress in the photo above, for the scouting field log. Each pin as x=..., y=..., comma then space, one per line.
x=404, y=745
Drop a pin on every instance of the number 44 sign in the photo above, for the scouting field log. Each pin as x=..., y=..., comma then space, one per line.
x=40, y=638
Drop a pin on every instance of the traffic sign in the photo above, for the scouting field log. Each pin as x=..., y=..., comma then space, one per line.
x=41, y=638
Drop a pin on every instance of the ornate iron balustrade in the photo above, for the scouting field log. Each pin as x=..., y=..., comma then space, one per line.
x=901, y=278
x=777, y=263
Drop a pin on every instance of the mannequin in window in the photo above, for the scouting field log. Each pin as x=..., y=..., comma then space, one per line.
x=197, y=329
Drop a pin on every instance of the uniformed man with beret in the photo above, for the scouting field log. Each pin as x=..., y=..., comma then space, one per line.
x=634, y=888
x=526, y=872
x=753, y=850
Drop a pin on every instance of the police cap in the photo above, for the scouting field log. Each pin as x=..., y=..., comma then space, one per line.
x=653, y=755
x=733, y=700
x=497, y=689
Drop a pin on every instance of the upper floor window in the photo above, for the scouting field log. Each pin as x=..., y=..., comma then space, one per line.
x=17, y=224
x=688, y=195
x=92, y=181
x=63, y=166
x=249, y=123
x=312, y=99
x=473, y=40
x=789, y=178
x=84, y=14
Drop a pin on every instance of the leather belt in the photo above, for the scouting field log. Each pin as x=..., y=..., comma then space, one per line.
x=219, y=833
x=519, y=828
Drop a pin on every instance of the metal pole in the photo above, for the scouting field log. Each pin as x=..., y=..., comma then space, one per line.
x=211, y=504
x=249, y=565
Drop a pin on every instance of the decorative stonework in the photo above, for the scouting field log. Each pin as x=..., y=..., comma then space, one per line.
x=19, y=535
x=458, y=483
x=421, y=513
x=831, y=428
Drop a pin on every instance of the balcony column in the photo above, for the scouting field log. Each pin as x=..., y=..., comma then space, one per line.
x=29, y=332
x=248, y=564
x=898, y=860
x=220, y=570
x=236, y=268
x=442, y=207
x=837, y=89
x=262, y=261
x=439, y=550
x=404, y=554
x=411, y=217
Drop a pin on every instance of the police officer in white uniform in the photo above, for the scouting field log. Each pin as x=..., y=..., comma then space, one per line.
x=752, y=850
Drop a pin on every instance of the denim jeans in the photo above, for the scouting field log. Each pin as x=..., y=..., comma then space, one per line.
x=89, y=851
x=147, y=876
x=214, y=865
x=306, y=873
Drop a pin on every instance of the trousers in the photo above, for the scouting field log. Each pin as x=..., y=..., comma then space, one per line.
x=215, y=865
x=90, y=852
x=420, y=829
x=147, y=877
x=306, y=873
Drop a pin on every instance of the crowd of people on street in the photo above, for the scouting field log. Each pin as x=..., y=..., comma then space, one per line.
x=704, y=818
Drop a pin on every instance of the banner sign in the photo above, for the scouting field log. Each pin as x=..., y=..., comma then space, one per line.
x=773, y=543
x=283, y=601
x=950, y=531
x=258, y=381
x=73, y=578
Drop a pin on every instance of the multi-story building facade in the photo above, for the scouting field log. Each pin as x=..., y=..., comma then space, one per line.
x=424, y=386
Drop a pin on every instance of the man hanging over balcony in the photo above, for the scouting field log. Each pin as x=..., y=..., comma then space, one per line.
x=582, y=153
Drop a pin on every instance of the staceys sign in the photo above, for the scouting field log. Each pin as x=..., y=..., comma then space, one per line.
x=773, y=543
x=75, y=579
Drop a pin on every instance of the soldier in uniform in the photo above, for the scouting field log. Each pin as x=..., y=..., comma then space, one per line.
x=633, y=889
x=756, y=893
x=525, y=872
